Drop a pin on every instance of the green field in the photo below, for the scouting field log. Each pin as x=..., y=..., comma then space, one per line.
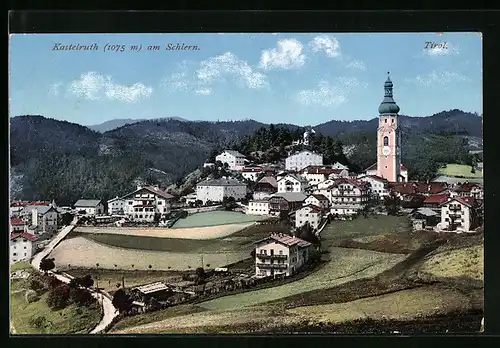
x=19, y=266
x=70, y=320
x=215, y=218
x=460, y=170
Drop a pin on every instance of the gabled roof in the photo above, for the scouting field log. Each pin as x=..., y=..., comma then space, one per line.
x=291, y=196
x=374, y=177
x=314, y=208
x=87, y=203
x=426, y=211
x=42, y=209
x=18, y=204
x=320, y=170
x=467, y=201
x=268, y=180
x=234, y=153
x=151, y=189
x=354, y=182
x=286, y=240
x=438, y=198
x=150, y=288
x=294, y=176
x=467, y=187
x=318, y=196
x=24, y=235
x=16, y=221
x=418, y=187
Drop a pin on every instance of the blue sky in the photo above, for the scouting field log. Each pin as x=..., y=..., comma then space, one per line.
x=294, y=78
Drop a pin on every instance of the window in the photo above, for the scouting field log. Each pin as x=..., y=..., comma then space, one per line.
x=15, y=254
x=385, y=120
x=25, y=247
x=281, y=252
x=386, y=140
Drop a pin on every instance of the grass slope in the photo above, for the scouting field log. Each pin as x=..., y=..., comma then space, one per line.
x=459, y=170
x=20, y=266
x=215, y=218
x=70, y=320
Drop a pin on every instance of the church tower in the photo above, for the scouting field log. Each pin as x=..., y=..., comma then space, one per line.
x=388, y=137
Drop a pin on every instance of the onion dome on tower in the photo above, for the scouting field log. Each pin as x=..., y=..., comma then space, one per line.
x=388, y=105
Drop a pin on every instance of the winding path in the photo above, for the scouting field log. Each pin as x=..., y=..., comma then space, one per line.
x=109, y=310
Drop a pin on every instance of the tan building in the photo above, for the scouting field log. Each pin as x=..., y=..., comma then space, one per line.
x=459, y=214
x=280, y=254
x=311, y=214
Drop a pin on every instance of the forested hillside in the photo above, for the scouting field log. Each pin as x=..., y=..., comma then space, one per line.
x=60, y=160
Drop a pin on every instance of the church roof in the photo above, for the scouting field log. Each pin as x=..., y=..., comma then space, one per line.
x=388, y=105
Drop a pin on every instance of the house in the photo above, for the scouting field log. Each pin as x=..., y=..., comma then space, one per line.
x=190, y=198
x=16, y=208
x=423, y=217
x=215, y=190
x=292, y=183
x=147, y=204
x=403, y=172
x=21, y=246
x=43, y=218
x=459, y=214
x=318, y=200
x=16, y=225
x=303, y=159
x=311, y=214
x=339, y=173
x=265, y=187
x=116, y=206
x=258, y=207
x=91, y=207
x=280, y=254
x=317, y=174
x=347, y=196
x=285, y=202
x=158, y=290
x=338, y=165
x=234, y=159
x=434, y=202
x=251, y=173
x=401, y=189
x=467, y=189
x=379, y=186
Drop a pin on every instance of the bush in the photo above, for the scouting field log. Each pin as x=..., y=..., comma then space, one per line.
x=31, y=296
x=36, y=285
x=58, y=297
x=37, y=322
x=81, y=297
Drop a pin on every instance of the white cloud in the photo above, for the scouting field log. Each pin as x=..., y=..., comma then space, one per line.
x=203, y=91
x=441, y=78
x=55, y=88
x=288, y=55
x=228, y=66
x=178, y=81
x=328, y=44
x=93, y=86
x=330, y=94
x=446, y=49
x=356, y=64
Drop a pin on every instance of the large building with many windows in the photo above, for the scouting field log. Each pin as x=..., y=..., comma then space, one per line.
x=147, y=204
x=303, y=159
x=218, y=189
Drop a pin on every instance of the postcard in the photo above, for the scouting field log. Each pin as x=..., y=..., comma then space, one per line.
x=246, y=183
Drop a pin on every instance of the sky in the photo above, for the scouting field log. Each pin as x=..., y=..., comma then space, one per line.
x=304, y=79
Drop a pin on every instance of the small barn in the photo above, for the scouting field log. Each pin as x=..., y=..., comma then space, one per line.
x=157, y=290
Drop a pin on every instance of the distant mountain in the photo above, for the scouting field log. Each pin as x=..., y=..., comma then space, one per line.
x=67, y=161
x=456, y=121
x=116, y=123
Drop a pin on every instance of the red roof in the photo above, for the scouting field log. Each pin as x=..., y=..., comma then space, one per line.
x=467, y=187
x=403, y=167
x=319, y=170
x=468, y=201
x=252, y=170
x=24, y=235
x=418, y=187
x=287, y=240
x=354, y=182
x=18, y=204
x=319, y=197
x=437, y=199
x=16, y=221
x=39, y=203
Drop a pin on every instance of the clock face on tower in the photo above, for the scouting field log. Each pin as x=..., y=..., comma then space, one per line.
x=386, y=150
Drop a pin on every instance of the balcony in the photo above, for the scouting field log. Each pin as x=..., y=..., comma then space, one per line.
x=272, y=257
x=272, y=265
x=455, y=208
x=455, y=216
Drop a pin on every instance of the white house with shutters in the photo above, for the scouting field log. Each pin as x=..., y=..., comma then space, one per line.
x=339, y=165
x=346, y=196
x=259, y=207
x=116, y=206
x=234, y=159
x=292, y=183
x=216, y=190
x=21, y=246
x=147, y=204
x=458, y=214
x=379, y=186
x=318, y=200
x=303, y=159
x=91, y=207
x=280, y=254
x=311, y=214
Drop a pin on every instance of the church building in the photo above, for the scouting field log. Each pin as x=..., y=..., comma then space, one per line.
x=388, y=164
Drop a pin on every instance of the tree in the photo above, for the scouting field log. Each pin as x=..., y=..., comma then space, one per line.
x=86, y=281
x=81, y=297
x=200, y=274
x=122, y=301
x=58, y=297
x=150, y=266
x=66, y=219
x=392, y=204
x=47, y=264
x=306, y=233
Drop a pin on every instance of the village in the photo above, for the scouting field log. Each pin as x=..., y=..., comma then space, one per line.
x=301, y=193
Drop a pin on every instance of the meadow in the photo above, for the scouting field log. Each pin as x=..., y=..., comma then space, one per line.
x=459, y=170
x=70, y=320
x=216, y=218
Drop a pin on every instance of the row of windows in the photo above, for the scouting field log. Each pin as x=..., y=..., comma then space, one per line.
x=271, y=252
x=15, y=254
x=14, y=247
